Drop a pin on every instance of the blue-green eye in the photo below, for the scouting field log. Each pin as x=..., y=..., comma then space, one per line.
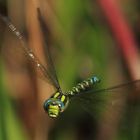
x=46, y=104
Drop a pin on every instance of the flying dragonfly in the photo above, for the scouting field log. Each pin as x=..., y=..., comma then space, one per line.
x=59, y=101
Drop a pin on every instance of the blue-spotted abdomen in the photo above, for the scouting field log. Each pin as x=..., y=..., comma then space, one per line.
x=84, y=85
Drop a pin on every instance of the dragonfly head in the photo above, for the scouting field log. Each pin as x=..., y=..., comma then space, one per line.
x=54, y=107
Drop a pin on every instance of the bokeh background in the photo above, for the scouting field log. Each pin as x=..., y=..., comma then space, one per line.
x=85, y=38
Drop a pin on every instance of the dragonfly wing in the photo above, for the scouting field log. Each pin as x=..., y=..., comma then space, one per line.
x=23, y=50
x=116, y=111
x=95, y=101
x=50, y=65
x=113, y=89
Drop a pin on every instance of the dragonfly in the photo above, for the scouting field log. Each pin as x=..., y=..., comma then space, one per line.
x=59, y=101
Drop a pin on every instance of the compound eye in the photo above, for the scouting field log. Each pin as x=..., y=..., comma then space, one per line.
x=47, y=103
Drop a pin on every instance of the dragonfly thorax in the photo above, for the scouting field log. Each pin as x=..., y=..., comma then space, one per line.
x=59, y=101
x=56, y=104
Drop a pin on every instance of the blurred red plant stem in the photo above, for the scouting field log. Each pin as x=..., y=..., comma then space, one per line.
x=123, y=35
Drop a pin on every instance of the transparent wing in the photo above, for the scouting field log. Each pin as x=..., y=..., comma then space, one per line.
x=106, y=114
x=95, y=101
x=117, y=88
x=42, y=71
x=115, y=110
x=50, y=65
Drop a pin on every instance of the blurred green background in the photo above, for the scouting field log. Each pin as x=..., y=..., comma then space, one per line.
x=83, y=42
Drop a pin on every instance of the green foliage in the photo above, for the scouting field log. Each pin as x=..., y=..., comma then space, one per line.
x=10, y=125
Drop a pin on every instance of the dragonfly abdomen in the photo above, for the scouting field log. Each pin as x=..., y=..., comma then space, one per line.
x=86, y=84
